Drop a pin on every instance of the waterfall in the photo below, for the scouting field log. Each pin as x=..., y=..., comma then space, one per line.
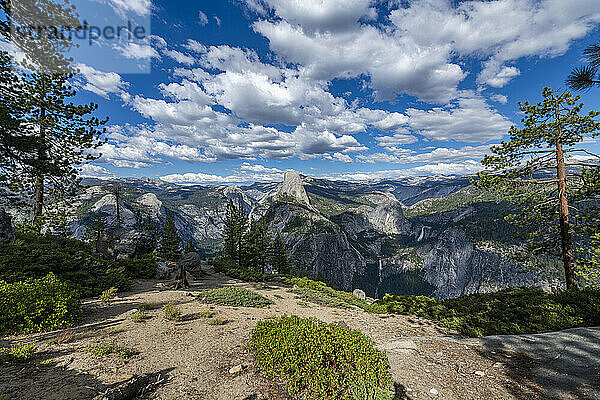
x=379, y=269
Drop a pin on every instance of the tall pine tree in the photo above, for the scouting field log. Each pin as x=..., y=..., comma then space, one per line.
x=236, y=222
x=170, y=243
x=532, y=171
x=278, y=256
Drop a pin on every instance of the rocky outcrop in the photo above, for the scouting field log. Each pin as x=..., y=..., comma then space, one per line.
x=122, y=243
x=292, y=186
x=7, y=235
x=192, y=263
x=317, y=246
x=456, y=267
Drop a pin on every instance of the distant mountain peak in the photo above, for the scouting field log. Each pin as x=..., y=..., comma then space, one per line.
x=293, y=186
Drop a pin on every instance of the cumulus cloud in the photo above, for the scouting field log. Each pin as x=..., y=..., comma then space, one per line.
x=246, y=173
x=468, y=167
x=180, y=57
x=469, y=119
x=95, y=171
x=101, y=83
x=138, y=51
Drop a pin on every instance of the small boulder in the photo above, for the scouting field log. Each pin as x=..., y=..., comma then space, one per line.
x=192, y=262
x=237, y=369
x=7, y=235
x=359, y=294
x=166, y=270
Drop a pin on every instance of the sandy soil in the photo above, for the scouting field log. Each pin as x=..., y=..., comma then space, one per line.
x=428, y=362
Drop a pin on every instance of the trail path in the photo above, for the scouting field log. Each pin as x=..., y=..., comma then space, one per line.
x=428, y=362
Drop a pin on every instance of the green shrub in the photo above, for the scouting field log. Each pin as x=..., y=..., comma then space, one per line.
x=148, y=306
x=509, y=311
x=217, y=321
x=108, y=295
x=206, y=314
x=19, y=352
x=172, y=312
x=34, y=256
x=139, y=316
x=105, y=350
x=232, y=296
x=37, y=305
x=320, y=361
x=319, y=293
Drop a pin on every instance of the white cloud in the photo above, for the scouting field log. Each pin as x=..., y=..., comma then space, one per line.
x=464, y=168
x=471, y=119
x=180, y=57
x=138, y=51
x=139, y=7
x=95, y=171
x=217, y=20
x=247, y=173
x=195, y=46
x=323, y=15
x=500, y=98
x=101, y=83
x=202, y=18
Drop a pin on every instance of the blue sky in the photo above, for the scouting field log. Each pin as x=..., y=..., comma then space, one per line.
x=241, y=90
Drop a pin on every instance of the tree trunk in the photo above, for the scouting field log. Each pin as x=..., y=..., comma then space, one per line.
x=565, y=229
x=38, y=207
x=39, y=200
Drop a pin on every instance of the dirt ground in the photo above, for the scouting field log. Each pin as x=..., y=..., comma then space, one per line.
x=428, y=362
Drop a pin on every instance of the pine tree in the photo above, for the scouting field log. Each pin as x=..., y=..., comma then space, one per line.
x=236, y=223
x=531, y=170
x=189, y=247
x=278, y=256
x=170, y=243
x=256, y=243
x=59, y=133
x=97, y=228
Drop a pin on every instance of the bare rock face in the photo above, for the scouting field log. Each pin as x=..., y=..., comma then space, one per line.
x=292, y=186
x=317, y=246
x=151, y=204
x=7, y=234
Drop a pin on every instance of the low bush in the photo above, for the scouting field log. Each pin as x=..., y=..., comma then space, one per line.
x=217, y=321
x=509, y=311
x=108, y=295
x=19, y=352
x=148, y=306
x=232, y=296
x=139, y=316
x=319, y=293
x=37, y=305
x=105, y=350
x=172, y=312
x=206, y=314
x=321, y=361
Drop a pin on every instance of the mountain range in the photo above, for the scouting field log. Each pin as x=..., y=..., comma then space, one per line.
x=435, y=236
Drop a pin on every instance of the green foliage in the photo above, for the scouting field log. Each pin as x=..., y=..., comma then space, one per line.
x=105, y=350
x=509, y=311
x=320, y=293
x=171, y=312
x=170, y=243
x=206, y=313
x=148, y=306
x=236, y=222
x=19, y=352
x=139, y=316
x=37, y=305
x=189, y=247
x=34, y=256
x=236, y=297
x=278, y=257
x=217, y=321
x=320, y=361
x=530, y=171
x=256, y=243
x=108, y=295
